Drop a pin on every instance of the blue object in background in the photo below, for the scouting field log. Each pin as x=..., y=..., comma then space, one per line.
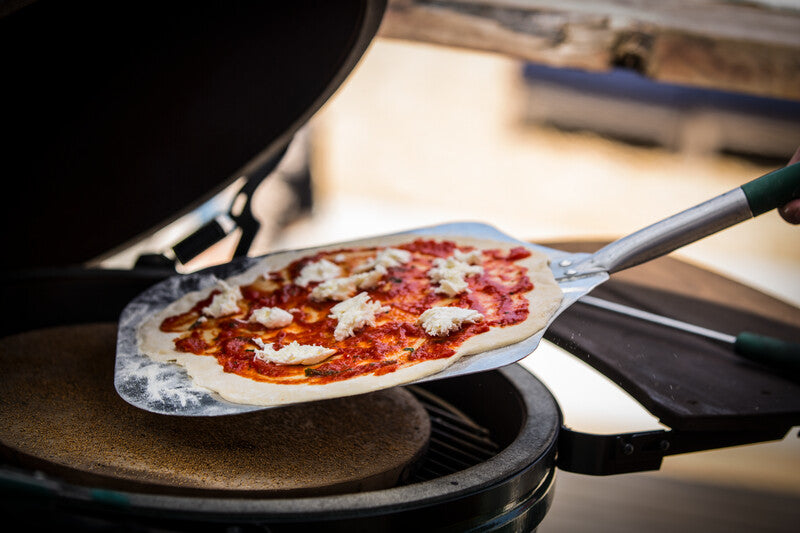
x=624, y=104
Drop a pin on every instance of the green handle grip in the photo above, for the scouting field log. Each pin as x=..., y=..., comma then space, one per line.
x=768, y=351
x=773, y=190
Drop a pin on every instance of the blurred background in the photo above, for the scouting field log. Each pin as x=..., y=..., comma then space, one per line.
x=422, y=134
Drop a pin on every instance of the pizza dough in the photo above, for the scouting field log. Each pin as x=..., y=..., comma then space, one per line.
x=206, y=372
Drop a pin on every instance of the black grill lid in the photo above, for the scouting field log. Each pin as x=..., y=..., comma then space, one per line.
x=117, y=116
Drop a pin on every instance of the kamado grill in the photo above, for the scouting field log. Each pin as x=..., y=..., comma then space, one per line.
x=126, y=112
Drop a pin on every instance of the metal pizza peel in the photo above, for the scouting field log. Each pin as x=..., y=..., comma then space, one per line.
x=167, y=389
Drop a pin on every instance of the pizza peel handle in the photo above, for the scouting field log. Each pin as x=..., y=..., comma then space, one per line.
x=751, y=199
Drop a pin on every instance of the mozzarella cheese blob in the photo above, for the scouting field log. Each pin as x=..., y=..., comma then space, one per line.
x=334, y=289
x=271, y=317
x=475, y=257
x=449, y=274
x=355, y=313
x=442, y=321
x=370, y=279
x=224, y=303
x=344, y=288
x=321, y=270
x=292, y=354
x=386, y=258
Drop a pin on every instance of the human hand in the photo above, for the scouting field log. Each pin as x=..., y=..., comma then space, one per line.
x=791, y=211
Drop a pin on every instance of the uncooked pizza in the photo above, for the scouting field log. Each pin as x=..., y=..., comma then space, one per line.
x=348, y=319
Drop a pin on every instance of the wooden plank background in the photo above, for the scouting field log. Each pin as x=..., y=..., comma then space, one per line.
x=749, y=47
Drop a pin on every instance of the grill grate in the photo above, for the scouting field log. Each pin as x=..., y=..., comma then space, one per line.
x=457, y=442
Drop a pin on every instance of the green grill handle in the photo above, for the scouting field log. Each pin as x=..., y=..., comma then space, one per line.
x=769, y=351
x=773, y=190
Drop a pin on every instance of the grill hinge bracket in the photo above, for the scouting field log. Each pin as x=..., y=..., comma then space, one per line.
x=602, y=455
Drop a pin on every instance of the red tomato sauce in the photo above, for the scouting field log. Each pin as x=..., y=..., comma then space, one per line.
x=395, y=341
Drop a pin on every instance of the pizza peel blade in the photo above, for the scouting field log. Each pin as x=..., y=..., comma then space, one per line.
x=165, y=388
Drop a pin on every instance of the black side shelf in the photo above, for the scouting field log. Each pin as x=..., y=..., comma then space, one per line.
x=707, y=395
